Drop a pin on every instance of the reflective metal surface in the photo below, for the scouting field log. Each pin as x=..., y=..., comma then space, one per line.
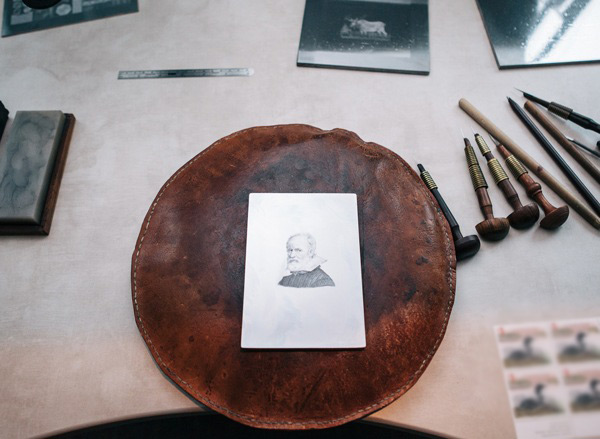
x=382, y=35
x=537, y=32
x=19, y=18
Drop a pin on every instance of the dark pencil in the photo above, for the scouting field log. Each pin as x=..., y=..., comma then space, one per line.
x=565, y=112
x=583, y=190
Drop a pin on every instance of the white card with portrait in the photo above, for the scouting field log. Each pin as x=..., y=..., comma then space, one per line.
x=303, y=283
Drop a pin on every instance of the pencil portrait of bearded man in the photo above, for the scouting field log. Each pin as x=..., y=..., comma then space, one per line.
x=303, y=264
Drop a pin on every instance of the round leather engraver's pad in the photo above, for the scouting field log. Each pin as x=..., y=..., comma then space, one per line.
x=188, y=278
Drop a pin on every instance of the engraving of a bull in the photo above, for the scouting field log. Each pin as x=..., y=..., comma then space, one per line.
x=365, y=27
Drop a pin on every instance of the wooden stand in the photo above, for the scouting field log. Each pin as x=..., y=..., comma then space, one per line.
x=57, y=172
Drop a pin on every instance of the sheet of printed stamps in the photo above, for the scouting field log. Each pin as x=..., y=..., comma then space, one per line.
x=552, y=376
x=578, y=354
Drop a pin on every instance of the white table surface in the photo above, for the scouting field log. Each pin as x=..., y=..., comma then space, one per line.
x=70, y=352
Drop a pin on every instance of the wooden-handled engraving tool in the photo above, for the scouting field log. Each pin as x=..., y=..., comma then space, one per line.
x=491, y=228
x=555, y=216
x=465, y=246
x=533, y=129
x=590, y=167
x=565, y=112
x=562, y=191
x=522, y=217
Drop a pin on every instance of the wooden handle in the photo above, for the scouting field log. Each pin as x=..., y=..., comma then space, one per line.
x=534, y=191
x=564, y=142
x=510, y=193
x=485, y=203
x=534, y=166
x=505, y=185
x=532, y=187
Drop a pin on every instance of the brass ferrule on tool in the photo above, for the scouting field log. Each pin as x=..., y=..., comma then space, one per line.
x=428, y=180
x=470, y=155
x=496, y=169
x=474, y=170
x=515, y=166
x=483, y=147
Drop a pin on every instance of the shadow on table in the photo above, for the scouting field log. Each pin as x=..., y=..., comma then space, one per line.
x=210, y=425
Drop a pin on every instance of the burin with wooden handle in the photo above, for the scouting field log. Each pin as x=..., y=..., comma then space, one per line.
x=528, y=161
x=522, y=217
x=491, y=228
x=555, y=216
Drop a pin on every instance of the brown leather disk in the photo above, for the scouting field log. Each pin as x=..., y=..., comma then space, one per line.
x=188, y=278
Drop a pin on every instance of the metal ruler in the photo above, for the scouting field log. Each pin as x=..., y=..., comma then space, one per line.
x=187, y=73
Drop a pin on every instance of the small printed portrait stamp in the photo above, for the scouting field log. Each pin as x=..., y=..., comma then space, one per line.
x=577, y=342
x=584, y=390
x=523, y=346
x=535, y=395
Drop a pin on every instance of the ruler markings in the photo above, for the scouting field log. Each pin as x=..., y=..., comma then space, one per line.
x=184, y=73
